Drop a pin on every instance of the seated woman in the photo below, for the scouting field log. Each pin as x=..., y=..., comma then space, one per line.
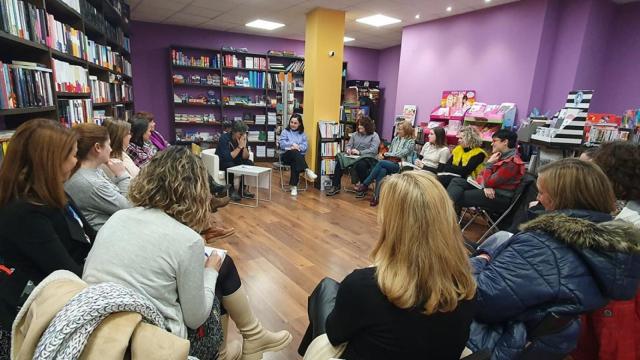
x=164, y=259
x=420, y=306
x=364, y=145
x=42, y=228
x=97, y=197
x=156, y=140
x=119, y=135
x=402, y=149
x=435, y=154
x=613, y=331
x=466, y=159
x=139, y=148
x=569, y=261
x=293, y=141
x=232, y=151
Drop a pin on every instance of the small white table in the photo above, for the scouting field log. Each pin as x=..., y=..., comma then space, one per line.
x=256, y=172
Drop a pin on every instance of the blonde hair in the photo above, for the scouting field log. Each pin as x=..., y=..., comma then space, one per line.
x=575, y=184
x=118, y=130
x=407, y=129
x=420, y=256
x=470, y=137
x=175, y=181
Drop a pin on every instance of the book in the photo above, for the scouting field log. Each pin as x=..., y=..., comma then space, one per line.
x=475, y=184
x=448, y=174
x=408, y=164
x=208, y=250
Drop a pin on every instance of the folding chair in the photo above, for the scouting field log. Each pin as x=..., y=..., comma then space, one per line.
x=282, y=167
x=525, y=183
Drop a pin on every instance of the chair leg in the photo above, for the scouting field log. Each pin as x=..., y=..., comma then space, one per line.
x=473, y=218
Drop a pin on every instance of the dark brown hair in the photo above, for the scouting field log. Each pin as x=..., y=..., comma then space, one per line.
x=88, y=136
x=32, y=167
x=118, y=130
x=139, y=126
x=441, y=138
x=576, y=184
x=621, y=162
x=367, y=123
x=145, y=114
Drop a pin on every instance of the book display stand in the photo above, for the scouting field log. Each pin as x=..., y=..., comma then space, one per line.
x=567, y=126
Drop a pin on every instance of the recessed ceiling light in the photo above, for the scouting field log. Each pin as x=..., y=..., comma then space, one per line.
x=347, y=39
x=417, y=16
x=264, y=24
x=449, y=8
x=378, y=20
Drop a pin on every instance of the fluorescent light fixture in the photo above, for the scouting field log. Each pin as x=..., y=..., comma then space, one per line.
x=417, y=16
x=449, y=9
x=264, y=24
x=347, y=39
x=378, y=20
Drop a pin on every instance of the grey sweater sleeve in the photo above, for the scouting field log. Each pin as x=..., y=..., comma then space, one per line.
x=196, y=286
x=107, y=198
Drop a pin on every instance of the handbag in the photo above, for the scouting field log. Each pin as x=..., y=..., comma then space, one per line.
x=16, y=286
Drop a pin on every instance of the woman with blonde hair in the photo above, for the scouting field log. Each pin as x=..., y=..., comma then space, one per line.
x=164, y=259
x=120, y=135
x=466, y=159
x=569, y=261
x=417, y=300
x=402, y=149
x=42, y=228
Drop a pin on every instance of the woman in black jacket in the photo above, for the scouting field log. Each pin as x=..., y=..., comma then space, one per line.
x=42, y=230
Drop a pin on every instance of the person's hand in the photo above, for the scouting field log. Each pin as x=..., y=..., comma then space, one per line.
x=490, y=193
x=419, y=163
x=242, y=143
x=355, y=152
x=295, y=147
x=485, y=256
x=494, y=157
x=380, y=157
x=116, y=167
x=213, y=262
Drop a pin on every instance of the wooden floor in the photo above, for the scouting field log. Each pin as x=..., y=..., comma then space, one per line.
x=285, y=247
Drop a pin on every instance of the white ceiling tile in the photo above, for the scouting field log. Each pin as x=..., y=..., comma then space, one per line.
x=161, y=4
x=218, y=5
x=200, y=11
x=216, y=24
x=185, y=19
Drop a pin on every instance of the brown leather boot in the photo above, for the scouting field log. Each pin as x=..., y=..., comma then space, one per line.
x=217, y=203
x=216, y=233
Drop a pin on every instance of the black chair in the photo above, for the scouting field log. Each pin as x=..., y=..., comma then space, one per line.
x=527, y=181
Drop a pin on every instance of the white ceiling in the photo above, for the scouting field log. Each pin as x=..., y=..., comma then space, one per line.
x=231, y=15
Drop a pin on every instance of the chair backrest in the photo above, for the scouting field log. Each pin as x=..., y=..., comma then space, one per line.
x=211, y=162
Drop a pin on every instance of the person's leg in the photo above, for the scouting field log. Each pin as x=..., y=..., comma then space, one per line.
x=256, y=339
x=476, y=197
x=445, y=180
x=337, y=176
x=373, y=174
x=299, y=165
x=388, y=168
x=363, y=168
x=289, y=159
x=457, y=187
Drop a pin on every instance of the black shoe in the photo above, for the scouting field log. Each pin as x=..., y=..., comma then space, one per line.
x=248, y=195
x=234, y=196
x=361, y=194
x=217, y=189
x=333, y=190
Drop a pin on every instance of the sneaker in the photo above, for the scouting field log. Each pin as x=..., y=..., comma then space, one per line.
x=333, y=190
x=361, y=194
x=294, y=191
x=361, y=187
x=310, y=174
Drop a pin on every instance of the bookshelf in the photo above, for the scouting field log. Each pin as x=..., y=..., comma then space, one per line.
x=73, y=34
x=330, y=143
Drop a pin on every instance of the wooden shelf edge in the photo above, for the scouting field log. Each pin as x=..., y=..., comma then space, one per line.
x=29, y=110
x=18, y=40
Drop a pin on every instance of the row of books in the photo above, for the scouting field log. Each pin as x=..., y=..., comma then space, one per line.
x=102, y=91
x=249, y=62
x=195, y=118
x=179, y=58
x=103, y=55
x=25, y=84
x=74, y=4
x=70, y=78
x=65, y=38
x=121, y=92
x=95, y=18
x=263, y=151
x=75, y=111
x=23, y=20
x=329, y=130
x=254, y=79
x=272, y=81
x=327, y=166
x=329, y=149
x=296, y=66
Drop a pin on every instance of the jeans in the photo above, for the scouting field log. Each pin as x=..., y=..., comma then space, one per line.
x=382, y=169
x=361, y=168
x=298, y=164
x=464, y=194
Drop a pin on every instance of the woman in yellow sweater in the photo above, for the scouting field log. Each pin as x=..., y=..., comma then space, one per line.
x=467, y=159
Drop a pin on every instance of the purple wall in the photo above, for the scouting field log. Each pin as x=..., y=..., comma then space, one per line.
x=618, y=86
x=493, y=51
x=150, y=60
x=388, y=66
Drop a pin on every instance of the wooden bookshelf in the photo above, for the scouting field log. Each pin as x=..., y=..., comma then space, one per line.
x=15, y=48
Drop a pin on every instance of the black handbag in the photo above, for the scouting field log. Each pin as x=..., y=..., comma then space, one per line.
x=16, y=286
x=320, y=304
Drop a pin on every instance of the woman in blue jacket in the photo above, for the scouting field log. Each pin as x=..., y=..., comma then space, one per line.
x=294, y=143
x=571, y=260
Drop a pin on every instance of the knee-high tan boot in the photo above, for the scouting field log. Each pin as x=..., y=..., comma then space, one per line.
x=256, y=340
x=234, y=350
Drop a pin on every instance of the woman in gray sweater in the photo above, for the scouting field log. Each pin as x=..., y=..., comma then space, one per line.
x=156, y=249
x=360, y=154
x=97, y=197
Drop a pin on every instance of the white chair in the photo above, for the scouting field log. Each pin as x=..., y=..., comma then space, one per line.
x=212, y=163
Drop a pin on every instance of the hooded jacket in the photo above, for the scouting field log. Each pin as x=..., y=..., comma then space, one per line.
x=568, y=262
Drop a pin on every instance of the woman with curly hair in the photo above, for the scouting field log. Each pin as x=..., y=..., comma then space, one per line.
x=466, y=159
x=613, y=332
x=156, y=249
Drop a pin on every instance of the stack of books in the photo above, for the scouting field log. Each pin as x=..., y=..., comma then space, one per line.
x=25, y=84
x=271, y=118
x=296, y=66
x=261, y=119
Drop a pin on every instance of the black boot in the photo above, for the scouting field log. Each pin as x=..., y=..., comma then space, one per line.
x=217, y=189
